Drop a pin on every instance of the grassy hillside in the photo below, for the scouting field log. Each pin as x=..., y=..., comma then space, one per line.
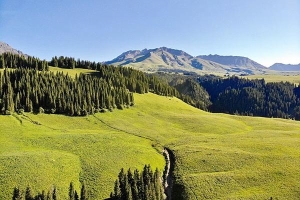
x=218, y=156
x=63, y=149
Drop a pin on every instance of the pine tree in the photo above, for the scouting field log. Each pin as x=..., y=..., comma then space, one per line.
x=28, y=194
x=17, y=194
x=83, y=193
x=71, y=191
x=2, y=62
x=54, y=195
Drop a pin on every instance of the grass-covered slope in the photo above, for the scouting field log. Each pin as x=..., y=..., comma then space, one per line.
x=63, y=149
x=218, y=156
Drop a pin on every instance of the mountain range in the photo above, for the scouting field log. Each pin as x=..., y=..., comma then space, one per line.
x=167, y=59
x=285, y=67
x=172, y=60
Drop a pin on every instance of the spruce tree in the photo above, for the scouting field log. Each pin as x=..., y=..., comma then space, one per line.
x=71, y=191
x=17, y=194
x=83, y=192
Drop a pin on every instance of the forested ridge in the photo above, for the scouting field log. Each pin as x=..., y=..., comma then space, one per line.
x=253, y=97
x=234, y=95
x=31, y=88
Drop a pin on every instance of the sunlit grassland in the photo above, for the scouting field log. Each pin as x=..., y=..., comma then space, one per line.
x=71, y=72
x=218, y=156
x=292, y=77
x=63, y=149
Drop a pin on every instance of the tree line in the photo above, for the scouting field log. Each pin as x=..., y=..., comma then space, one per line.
x=14, y=61
x=51, y=194
x=138, y=186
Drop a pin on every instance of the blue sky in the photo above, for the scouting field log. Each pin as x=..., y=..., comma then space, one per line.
x=266, y=31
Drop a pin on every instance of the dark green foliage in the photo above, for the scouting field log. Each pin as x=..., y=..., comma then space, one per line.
x=9, y=60
x=33, y=91
x=134, y=80
x=193, y=94
x=136, y=186
x=83, y=192
x=51, y=195
x=253, y=97
x=107, y=88
x=54, y=195
x=71, y=192
x=188, y=88
x=28, y=194
x=17, y=194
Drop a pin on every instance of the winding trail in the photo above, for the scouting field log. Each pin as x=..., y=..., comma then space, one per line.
x=168, y=183
x=169, y=157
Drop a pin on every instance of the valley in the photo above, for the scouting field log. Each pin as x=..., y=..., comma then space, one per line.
x=88, y=120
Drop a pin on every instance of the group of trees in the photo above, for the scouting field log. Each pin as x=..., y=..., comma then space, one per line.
x=138, y=186
x=146, y=185
x=135, y=81
x=253, y=97
x=9, y=60
x=51, y=194
x=33, y=91
x=72, y=63
x=38, y=90
x=27, y=195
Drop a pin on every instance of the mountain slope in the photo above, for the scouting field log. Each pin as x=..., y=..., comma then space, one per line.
x=5, y=48
x=285, y=67
x=162, y=58
x=167, y=59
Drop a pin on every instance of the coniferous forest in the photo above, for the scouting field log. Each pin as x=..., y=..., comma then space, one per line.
x=30, y=88
x=253, y=97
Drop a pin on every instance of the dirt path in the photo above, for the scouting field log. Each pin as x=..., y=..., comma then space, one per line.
x=168, y=175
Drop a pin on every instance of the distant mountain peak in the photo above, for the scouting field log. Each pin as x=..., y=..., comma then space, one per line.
x=5, y=48
x=285, y=67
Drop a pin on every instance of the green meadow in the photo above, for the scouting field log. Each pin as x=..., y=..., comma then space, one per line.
x=218, y=156
x=293, y=77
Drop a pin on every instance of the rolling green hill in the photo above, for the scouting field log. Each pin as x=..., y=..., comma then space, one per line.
x=218, y=156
